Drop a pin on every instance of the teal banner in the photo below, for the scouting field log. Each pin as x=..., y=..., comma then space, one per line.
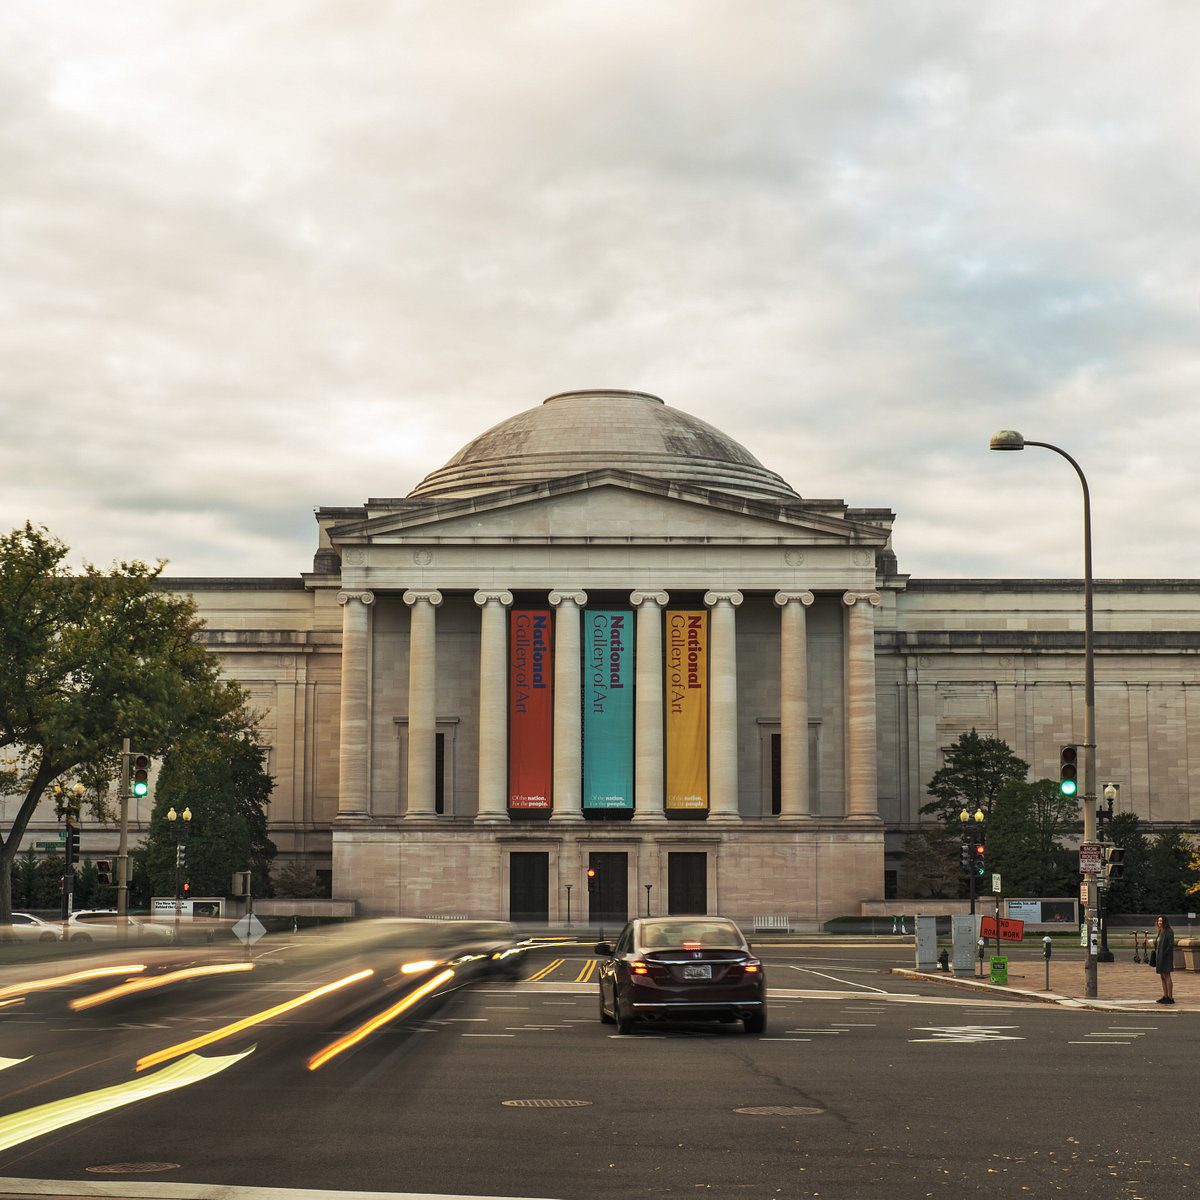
x=608, y=708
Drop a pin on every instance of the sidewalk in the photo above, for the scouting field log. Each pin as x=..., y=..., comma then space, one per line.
x=1130, y=986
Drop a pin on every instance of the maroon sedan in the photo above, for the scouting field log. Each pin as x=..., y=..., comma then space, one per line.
x=681, y=968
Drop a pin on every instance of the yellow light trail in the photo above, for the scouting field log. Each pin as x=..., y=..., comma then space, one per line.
x=355, y=1036
x=41, y=985
x=586, y=972
x=148, y=983
x=540, y=975
x=45, y=1118
x=215, y=1035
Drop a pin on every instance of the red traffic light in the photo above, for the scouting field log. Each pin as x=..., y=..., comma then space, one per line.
x=591, y=872
x=980, y=849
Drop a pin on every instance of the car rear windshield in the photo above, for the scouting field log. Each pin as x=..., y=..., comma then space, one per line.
x=690, y=935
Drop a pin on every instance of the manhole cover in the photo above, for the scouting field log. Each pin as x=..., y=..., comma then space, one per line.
x=779, y=1110
x=546, y=1103
x=146, y=1168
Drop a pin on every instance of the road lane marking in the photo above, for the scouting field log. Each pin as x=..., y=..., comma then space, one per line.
x=767, y=1039
x=5, y=1063
x=847, y=982
x=586, y=970
x=488, y=1035
x=1104, y=1043
x=968, y=1033
x=45, y=1118
x=538, y=976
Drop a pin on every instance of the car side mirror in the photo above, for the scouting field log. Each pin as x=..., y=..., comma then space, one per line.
x=604, y=948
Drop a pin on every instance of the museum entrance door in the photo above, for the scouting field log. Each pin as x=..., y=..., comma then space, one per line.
x=687, y=883
x=529, y=887
x=608, y=891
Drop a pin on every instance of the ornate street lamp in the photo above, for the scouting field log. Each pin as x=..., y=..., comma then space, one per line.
x=179, y=834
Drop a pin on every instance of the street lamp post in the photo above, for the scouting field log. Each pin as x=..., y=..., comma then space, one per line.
x=68, y=800
x=568, y=887
x=648, y=887
x=179, y=833
x=966, y=818
x=1009, y=439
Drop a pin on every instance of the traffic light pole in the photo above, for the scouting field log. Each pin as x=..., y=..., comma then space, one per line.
x=123, y=849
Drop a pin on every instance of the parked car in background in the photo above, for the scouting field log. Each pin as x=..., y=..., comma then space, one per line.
x=28, y=928
x=104, y=925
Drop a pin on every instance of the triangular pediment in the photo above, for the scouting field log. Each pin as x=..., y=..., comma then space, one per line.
x=605, y=506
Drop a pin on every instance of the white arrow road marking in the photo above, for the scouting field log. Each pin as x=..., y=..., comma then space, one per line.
x=5, y=1063
x=20, y=1127
x=966, y=1033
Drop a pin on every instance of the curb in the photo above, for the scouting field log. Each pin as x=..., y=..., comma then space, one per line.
x=1023, y=993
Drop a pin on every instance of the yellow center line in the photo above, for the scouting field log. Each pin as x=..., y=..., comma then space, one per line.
x=355, y=1036
x=547, y=970
x=215, y=1035
x=45, y=1118
x=586, y=973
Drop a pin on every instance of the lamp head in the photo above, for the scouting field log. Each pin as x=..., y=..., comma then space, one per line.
x=964, y=816
x=979, y=817
x=172, y=815
x=1112, y=791
x=77, y=789
x=187, y=814
x=1007, y=439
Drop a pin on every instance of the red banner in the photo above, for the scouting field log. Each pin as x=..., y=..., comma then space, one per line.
x=530, y=708
x=1011, y=930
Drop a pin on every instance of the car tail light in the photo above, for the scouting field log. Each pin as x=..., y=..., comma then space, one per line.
x=752, y=966
x=637, y=967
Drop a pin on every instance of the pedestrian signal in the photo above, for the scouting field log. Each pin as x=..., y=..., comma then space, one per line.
x=1114, y=862
x=1068, y=770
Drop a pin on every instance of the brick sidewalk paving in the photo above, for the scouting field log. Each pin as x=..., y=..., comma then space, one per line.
x=1120, y=982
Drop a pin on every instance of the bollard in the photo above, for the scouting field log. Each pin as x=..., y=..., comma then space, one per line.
x=1046, y=947
x=982, y=952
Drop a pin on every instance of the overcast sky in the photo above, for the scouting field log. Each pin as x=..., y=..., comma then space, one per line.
x=258, y=257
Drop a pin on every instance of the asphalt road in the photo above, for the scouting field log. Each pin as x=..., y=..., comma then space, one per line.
x=880, y=1087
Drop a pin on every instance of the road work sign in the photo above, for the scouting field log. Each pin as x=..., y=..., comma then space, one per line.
x=1010, y=930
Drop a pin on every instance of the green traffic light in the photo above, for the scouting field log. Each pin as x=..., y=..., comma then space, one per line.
x=1068, y=787
x=140, y=788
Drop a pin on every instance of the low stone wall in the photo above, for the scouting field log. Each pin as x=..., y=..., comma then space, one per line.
x=325, y=909
x=923, y=908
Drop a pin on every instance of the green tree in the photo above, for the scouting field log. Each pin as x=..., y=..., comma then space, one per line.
x=977, y=767
x=1168, y=873
x=46, y=892
x=224, y=782
x=25, y=879
x=932, y=865
x=298, y=881
x=87, y=658
x=1022, y=839
x=1128, y=894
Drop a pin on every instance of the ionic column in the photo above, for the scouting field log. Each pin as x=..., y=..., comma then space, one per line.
x=352, y=735
x=722, y=707
x=862, y=800
x=795, y=803
x=493, y=706
x=422, y=702
x=568, y=710
x=648, y=708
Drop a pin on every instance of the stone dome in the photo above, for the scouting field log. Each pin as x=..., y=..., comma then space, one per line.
x=575, y=432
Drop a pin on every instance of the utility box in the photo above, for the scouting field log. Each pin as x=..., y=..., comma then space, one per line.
x=926, y=943
x=962, y=931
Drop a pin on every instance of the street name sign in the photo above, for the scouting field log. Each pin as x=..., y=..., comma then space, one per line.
x=1091, y=858
x=996, y=884
x=249, y=929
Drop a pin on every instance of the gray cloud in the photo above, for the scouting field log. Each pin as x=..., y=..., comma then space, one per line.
x=257, y=258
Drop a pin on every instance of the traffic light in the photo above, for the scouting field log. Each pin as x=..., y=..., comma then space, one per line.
x=1068, y=770
x=980, y=863
x=180, y=856
x=103, y=872
x=187, y=887
x=965, y=856
x=1114, y=862
x=140, y=774
x=71, y=849
x=593, y=881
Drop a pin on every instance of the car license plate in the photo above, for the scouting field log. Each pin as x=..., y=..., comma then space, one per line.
x=698, y=971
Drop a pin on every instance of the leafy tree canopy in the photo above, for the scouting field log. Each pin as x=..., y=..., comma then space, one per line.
x=1128, y=894
x=223, y=781
x=87, y=658
x=977, y=768
x=1027, y=821
x=932, y=866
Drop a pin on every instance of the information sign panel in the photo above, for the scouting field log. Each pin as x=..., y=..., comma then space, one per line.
x=1091, y=858
x=999, y=970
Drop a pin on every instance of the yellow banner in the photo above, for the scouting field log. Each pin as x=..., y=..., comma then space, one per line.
x=687, y=708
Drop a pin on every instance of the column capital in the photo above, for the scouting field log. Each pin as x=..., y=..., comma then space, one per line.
x=639, y=598
x=485, y=597
x=783, y=599
x=429, y=595
x=872, y=598
x=711, y=599
x=365, y=597
x=558, y=598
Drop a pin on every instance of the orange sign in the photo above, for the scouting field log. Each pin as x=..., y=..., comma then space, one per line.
x=1011, y=930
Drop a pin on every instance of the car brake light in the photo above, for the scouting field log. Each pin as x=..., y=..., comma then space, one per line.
x=639, y=968
x=691, y=945
x=752, y=966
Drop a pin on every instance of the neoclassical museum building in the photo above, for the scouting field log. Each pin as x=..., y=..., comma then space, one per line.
x=605, y=638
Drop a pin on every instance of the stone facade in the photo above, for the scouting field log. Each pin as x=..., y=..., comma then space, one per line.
x=837, y=682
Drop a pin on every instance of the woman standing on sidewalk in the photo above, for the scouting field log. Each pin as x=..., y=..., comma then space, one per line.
x=1164, y=959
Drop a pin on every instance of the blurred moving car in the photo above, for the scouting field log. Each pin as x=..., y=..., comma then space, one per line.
x=681, y=968
x=104, y=925
x=28, y=928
